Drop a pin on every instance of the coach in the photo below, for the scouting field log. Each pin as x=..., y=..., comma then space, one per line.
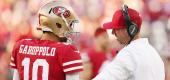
x=138, y=60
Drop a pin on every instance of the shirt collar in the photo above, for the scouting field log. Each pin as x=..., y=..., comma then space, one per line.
x=140, y=40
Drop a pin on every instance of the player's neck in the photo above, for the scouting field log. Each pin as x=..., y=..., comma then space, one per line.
x=49, y=36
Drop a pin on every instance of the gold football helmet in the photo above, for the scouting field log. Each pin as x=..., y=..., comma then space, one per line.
x=58, y=18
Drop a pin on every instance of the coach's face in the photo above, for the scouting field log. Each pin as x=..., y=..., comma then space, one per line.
x=122, y=35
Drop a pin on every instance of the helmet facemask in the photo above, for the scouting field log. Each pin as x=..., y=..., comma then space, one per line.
x=73, y=34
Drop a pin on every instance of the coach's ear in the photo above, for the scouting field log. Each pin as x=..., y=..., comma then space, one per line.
x=114, y=32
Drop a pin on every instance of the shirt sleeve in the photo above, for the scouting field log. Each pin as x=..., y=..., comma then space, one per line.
x=13, y=62
x=121, y=68
x=71, y=61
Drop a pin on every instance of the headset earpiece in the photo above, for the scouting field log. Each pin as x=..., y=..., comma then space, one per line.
x=132, y=28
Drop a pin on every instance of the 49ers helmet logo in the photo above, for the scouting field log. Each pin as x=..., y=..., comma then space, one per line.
x=61, y=10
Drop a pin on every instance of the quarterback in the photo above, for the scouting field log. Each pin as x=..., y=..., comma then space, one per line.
x=51, y=57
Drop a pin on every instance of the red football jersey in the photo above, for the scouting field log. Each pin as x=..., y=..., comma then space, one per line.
x=99, y=60
x=45, y=60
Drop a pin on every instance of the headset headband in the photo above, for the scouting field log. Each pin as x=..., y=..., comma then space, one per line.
x=126, y=15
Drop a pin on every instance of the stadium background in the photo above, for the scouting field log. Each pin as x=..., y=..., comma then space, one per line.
x=18, y=20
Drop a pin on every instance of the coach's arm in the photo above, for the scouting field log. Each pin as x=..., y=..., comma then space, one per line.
x=121, y=68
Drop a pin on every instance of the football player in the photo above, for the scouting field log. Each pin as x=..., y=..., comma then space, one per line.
x=49, y=58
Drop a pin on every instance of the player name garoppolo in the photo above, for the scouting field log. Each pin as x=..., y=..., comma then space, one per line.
x=37, y=50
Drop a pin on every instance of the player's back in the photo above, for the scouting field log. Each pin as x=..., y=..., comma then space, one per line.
x=45, y=60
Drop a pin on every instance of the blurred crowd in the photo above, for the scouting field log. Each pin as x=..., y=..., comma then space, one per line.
x=18, y=20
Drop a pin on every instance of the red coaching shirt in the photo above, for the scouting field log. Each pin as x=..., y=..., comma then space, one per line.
x=45, y=60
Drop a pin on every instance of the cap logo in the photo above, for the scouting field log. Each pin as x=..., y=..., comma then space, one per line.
x=59, y=10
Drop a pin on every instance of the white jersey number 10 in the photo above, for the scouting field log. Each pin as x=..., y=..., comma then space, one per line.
x=36, y=64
